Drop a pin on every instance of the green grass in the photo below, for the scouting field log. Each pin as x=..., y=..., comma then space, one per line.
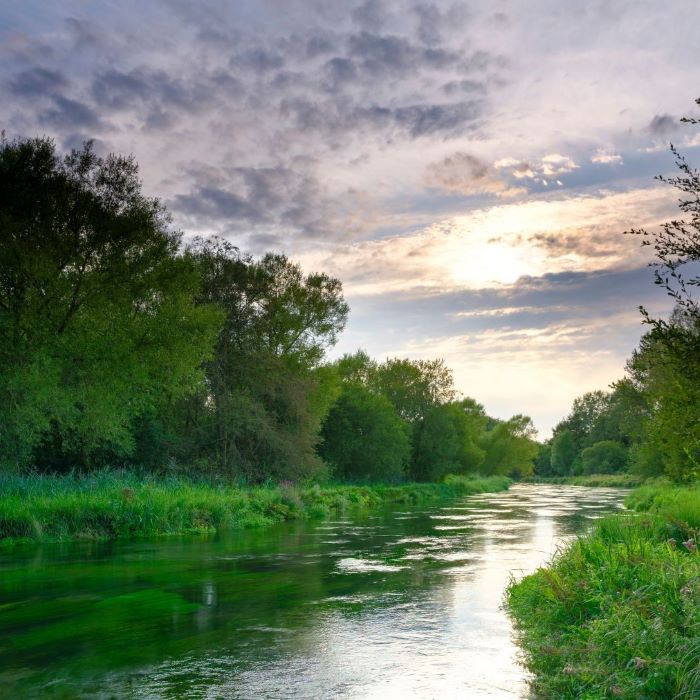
x=617, y=613
x=111, y=504
x=605, y=480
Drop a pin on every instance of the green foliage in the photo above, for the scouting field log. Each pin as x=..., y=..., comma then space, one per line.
x=510, y=447
x=604, y=457
x=110, y=504
x=670, y=383
x=563, y=452
x=413, y=386
x=617, y=614
x=597, y=417
x=364, y=438
x=447, y=441
x=260, y=411
x=98, y=321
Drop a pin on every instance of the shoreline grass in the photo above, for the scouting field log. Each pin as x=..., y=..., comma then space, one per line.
x=110, y=504
x=616, y=614
x=594, y=480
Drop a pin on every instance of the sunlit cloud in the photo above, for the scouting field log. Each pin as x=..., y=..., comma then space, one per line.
x=606, y=157
x=496, y=246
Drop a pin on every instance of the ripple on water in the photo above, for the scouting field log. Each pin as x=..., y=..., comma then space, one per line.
x=351, y=565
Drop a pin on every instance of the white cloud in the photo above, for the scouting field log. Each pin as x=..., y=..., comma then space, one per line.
x=606, y=157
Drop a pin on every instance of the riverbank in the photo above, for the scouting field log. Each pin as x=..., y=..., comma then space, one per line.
x=617, y=613
x=600, y=480
x=112, y=504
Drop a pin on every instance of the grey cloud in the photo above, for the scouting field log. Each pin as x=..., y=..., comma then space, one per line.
x=421, y=120
x=318, y=45
x=587, y=243
x=467, y=174
x=429, y=23
x=83, y=33
x=662, y=125
x=385, y=54
x=37, y=82
x=216, y=203
x=369, y=15
x=120, y=90
x=258, y=59
x=70, y=113
x=340, y=72
x=272, y=195
x=460, y=86
x=335, y=118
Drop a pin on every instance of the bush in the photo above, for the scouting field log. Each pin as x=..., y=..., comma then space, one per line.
x=605, y=457
x=364, y=438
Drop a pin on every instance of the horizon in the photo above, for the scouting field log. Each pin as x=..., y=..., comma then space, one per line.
x=439, y=161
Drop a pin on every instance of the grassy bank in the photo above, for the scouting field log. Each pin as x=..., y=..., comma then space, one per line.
x=607, y=480
x=118, y=504
x=617, y=613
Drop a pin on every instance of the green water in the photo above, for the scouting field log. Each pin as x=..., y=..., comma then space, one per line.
x=395, y=604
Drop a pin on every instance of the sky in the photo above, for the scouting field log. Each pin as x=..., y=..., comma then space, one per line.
x=467, y=169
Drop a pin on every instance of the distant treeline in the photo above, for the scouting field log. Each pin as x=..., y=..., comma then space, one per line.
x=648, y=424
x=120, y=346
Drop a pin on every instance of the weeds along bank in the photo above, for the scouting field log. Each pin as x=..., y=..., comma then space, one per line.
x=118, y=504
x=617, y=613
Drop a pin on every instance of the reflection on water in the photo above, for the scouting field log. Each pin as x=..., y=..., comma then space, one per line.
x=401, y=604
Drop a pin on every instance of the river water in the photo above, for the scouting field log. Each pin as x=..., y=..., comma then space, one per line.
x=401, y=603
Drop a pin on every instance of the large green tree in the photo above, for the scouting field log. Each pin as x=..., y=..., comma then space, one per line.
x=260, y=411
x=413, y=386
x=98, y=320
x=510, y=447
x=364, y=438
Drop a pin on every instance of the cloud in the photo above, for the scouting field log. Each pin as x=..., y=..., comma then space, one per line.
x=71, y=114
x=662, y=125
x=497, y=245
x=37, y=82
x=370, y=15
x=606, y=157
x=466, y=174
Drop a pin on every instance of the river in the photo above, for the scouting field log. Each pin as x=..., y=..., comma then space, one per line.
x=398, y=603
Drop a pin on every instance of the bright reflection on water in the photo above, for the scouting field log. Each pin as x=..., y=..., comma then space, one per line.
x=400, y=604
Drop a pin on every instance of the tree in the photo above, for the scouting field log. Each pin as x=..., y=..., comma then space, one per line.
x=363, y=438
x=671, y=429
x=585, y=414
x=605, y=457
x=98, y=321
x=510, y=447
x=261, y=410
x=563, y=452
x=447, y=441
x=413, y=386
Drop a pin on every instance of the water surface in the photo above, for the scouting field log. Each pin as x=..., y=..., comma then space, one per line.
x=401, y=603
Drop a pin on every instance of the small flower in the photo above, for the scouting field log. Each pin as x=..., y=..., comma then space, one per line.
x=569, y=670
x=690, y=545
x=672, y=543
x=639, y=663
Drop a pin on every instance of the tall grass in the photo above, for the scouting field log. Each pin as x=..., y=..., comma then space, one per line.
x=617, y=613
x=111, y=504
